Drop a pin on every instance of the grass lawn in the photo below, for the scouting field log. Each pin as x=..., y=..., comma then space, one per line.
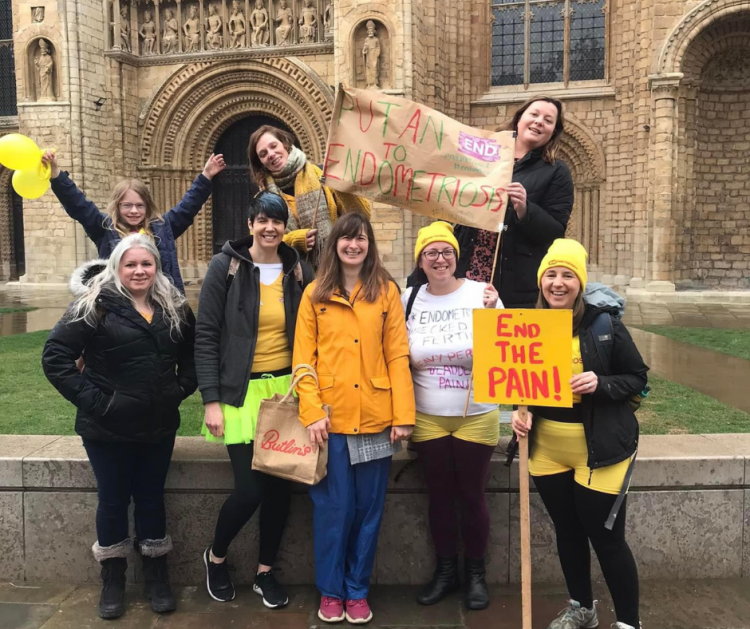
x=732, y=342
x=30, y=406
x=11, y=310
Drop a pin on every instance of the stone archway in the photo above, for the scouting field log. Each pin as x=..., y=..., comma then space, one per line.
x=12, y=259
x=188, y=114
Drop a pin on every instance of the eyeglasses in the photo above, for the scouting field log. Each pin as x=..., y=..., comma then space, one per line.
x=130, y=206
x=434, y=254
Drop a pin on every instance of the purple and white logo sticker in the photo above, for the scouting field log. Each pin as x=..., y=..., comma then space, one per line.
x=481, y=148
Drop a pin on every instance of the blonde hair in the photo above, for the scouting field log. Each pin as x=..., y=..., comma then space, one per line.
x=162, y=292
x=113, y=207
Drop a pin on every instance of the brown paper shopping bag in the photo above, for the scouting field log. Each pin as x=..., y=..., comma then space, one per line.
x=282, y=447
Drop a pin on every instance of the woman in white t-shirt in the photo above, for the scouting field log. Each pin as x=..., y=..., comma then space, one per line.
x=454, y=450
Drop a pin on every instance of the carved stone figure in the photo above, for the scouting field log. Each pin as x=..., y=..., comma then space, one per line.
x=214, y=27
x=45, y=66
x=169, y=40
x=371, y=54
x=192, y=31
x=37, y=14
x=259, y=22
x=237, y=26
x=328, y=22
x=308, y=23
x=124, y=29
x=285, y=20
x=148, y=34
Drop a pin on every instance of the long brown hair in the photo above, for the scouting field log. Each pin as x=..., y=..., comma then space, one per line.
x=579, y=308
x=549, y=151
x=113, y=206
x=330, y=278
x=257, y=170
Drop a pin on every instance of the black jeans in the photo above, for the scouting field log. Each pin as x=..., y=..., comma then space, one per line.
x=253, y=489
x=125, y=470
x=579, y=514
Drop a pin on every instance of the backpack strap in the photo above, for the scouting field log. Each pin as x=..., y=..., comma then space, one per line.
x=412, y=298
x=604, y=339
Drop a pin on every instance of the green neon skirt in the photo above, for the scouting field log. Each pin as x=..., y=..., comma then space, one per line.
x=239, y=423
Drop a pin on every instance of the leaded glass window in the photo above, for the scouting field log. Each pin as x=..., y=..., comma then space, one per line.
x=7, y=63
x=548, y=41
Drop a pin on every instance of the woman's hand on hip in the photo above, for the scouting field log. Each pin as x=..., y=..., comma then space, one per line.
x=318, y=431
x=401, y=433
x=517, y=195
x=585, y=382
x=214, y=419
x=310, y=239
x=490, y=296
x=520, y=427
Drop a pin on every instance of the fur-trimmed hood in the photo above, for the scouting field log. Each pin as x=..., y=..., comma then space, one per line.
x=81, y=278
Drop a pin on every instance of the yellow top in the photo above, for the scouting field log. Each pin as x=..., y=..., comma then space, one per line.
x=147, y=316
x=577, y=364
x=272, y=349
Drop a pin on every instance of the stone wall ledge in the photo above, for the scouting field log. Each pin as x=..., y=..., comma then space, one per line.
x=688, y=513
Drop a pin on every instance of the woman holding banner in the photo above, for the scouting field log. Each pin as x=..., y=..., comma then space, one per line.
x=582, y=457
x=351, y=330
x=244, y=338
x=540, y=200
x=455, y=442
x=278, y=166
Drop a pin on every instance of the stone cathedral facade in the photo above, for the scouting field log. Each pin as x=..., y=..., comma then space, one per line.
x=657, y=95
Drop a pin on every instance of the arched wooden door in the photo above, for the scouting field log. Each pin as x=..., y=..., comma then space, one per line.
x=233, y=188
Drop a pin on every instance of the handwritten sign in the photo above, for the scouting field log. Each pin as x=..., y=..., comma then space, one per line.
x=523, y=357
x=399, y=152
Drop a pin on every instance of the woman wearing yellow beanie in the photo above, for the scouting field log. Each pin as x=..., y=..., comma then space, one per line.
x=540, y=201
x=454, y=450
x=582, y=457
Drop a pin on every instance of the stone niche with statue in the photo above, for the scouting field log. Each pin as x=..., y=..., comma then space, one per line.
x=371, y=52
x=42, y=70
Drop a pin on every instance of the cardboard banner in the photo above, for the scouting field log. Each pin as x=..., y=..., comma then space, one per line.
x=396, y=151
x=523, y=357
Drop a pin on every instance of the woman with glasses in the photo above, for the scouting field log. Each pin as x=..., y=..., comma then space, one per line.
x=455, y=440
x=131, y=210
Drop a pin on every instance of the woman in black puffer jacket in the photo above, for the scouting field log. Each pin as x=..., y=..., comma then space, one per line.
x=540, y=201
x=136, y=333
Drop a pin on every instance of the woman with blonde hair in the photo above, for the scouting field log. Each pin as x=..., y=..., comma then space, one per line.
x=131, y=209
x=136, y=333
x=278, y=166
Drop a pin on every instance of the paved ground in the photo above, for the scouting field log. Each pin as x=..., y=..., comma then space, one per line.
x=665, y=605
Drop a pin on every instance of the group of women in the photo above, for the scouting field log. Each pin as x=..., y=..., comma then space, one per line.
x=307, y=286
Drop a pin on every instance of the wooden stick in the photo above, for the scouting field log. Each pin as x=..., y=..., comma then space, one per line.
x=523, y=484
x=492, y=278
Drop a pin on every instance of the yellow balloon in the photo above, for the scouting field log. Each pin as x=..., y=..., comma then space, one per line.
x=19, y=152
x=31, y=184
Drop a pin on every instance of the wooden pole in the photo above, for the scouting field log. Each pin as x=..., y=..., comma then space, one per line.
x=523, y=484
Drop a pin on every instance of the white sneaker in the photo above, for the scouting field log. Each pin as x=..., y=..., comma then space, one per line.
x=576, y=617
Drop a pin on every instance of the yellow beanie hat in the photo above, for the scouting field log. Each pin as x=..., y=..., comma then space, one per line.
x=439, y=231
x=567, y=253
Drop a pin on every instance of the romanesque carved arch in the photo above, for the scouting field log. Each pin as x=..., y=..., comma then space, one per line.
x=188, y=114
x=691, y=26
x=582, y=152
x=7, y=257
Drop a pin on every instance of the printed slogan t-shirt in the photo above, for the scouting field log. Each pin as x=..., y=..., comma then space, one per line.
x=440, y=349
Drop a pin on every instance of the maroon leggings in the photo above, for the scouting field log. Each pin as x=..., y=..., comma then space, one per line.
x=456, y=471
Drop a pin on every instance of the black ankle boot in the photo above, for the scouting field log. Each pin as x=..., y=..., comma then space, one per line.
x=476, y=595
x=156, y=584
x=112, y=600
x=444, y=581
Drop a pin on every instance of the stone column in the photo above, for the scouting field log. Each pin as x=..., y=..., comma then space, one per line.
x=181, y=35
x=116, y=37
x=663, y=231
x=157, y=22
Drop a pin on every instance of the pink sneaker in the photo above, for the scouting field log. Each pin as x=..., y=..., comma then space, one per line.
x=358, y=612
x=331, y=609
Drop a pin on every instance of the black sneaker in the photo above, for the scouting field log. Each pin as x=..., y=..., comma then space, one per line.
x=270, y=589
x=218, y=583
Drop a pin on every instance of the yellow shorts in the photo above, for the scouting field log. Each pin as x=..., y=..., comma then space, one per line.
x=559, y=447
x=484, y=428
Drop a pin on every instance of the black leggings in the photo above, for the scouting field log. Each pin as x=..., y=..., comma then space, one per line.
x=579, y=514
x=251, y=489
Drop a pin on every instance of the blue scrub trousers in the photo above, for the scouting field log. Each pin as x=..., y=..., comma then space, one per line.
x=347, y=510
